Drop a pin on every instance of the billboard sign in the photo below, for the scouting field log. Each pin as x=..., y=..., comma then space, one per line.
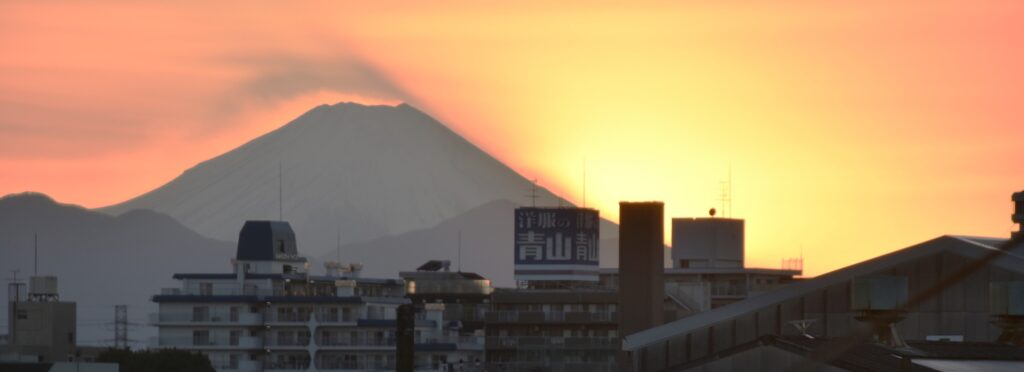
x=565, y=240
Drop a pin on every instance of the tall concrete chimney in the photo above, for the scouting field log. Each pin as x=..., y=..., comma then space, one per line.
x=641, y=267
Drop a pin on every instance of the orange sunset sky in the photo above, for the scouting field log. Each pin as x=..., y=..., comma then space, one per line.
x=851, y=128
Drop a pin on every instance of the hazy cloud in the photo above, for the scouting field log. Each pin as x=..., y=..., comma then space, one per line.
x=282, y=76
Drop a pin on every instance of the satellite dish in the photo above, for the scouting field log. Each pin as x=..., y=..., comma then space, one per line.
x=712, y=212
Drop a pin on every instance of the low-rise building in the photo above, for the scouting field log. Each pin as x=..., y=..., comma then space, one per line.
x=42, y=332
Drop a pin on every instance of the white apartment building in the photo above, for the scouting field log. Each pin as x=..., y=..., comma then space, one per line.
x=272, y=314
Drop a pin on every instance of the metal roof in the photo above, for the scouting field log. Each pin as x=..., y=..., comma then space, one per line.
x=971, y=365
x=925, y=355
x=969, y=247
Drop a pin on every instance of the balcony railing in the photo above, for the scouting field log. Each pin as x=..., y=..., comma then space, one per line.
x=226, y=318
x=552, y=316
x=336, y=318
x=527, y=342
x=239, y=366
x=342, y=365
x=286, y=366
x=343, y=341
x=217, y=291
x=720, y=290
x=568, y=367
x=242, y=342
x=275, y=317
x=302, y=341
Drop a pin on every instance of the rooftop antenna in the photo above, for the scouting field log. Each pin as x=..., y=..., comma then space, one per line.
x=533, y=193
x=458, y=262
x=802, y=326
x=584, y=182
x=35, y=252
x=280, y=191
x=725, y=195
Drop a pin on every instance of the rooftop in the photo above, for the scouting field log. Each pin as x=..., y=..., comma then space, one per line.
x=964, y=246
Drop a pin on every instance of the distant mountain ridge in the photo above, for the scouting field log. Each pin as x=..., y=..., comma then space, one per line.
x=102, y=260
x=348, y=170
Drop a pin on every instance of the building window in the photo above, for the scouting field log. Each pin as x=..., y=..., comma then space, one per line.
x=22, y=314
x=200, y=338
x=205, y=289
x=200, y=314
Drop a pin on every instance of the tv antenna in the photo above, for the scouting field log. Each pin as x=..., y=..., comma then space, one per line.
x=280, y=191
x=802, y=326
x=725, y=195
x=584, y=182
x=338, y=249
x=458, y=262
x=533, y=193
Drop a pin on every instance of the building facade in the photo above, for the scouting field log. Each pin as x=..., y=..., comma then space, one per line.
x=272, y=314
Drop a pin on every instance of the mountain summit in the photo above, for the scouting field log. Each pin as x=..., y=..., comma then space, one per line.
x=361, y=172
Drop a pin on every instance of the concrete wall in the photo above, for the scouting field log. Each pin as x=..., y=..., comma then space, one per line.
x=48, y=326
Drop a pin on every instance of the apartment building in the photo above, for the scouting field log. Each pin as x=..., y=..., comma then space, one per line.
x=272, y=314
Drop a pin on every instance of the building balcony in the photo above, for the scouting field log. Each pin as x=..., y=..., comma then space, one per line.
x=240, y=366
x=532, y=342
x=568, y=367
x=283, y=367
x=569, y=317
x=187, y=319
x=728, y=291
x=358, y=366
x=210, y=343
x=342, y=342
x=335, y=319
x=286, y=318
x=220, y=292
x=286, y=343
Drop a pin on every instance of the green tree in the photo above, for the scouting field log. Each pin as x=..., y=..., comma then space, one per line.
x=163, y=360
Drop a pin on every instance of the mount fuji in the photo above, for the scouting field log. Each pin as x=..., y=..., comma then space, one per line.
x=349, y=175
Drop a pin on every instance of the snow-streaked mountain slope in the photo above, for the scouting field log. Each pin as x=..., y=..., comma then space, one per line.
x=362, y=171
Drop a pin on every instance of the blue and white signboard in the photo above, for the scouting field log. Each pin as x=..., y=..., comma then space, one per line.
x=557, y=244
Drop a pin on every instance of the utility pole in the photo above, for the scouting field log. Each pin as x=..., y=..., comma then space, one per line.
x=121, y=326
